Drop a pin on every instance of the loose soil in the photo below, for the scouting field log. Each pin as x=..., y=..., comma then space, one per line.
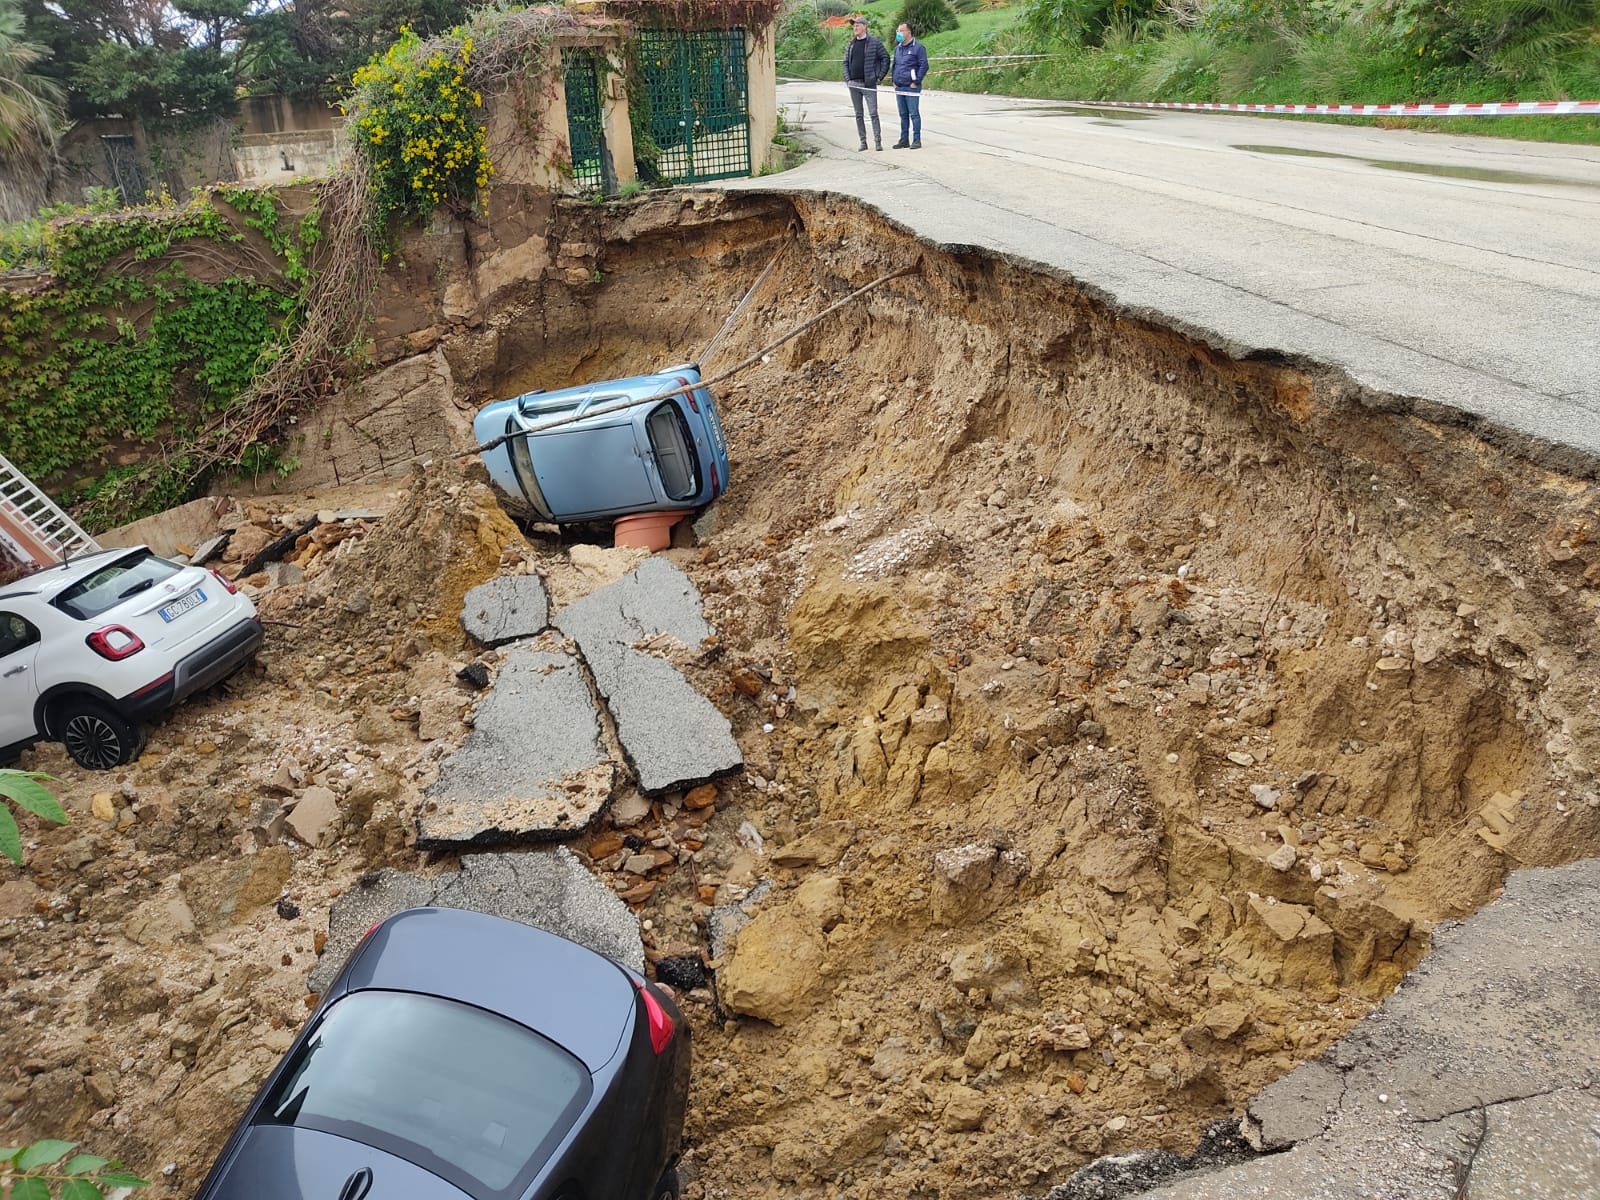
x=1119, y=717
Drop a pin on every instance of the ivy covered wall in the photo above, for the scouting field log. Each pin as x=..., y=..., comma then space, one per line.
x=147, y=323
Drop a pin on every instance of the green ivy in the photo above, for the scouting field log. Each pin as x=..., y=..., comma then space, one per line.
x=146, y=326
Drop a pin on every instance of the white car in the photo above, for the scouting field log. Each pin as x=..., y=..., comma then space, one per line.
x=92, y=648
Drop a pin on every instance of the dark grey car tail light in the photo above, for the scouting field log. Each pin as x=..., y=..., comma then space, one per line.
x=661, y=1029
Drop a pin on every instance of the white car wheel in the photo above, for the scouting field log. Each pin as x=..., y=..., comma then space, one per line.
x=95, y=737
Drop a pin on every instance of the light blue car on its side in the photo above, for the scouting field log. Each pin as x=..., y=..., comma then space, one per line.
x=643, y=458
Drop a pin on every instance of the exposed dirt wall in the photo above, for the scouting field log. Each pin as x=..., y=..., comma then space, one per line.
x=1152, y=705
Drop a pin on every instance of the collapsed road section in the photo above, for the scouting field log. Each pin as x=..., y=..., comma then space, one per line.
x=1118, y=719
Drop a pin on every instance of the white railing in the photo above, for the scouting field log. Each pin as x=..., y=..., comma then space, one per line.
x=32, y=528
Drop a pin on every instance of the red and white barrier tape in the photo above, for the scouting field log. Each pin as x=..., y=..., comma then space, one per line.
x=1507, y=108
x=1487, y=108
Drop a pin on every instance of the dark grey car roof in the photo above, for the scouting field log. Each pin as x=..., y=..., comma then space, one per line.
x=578, y=999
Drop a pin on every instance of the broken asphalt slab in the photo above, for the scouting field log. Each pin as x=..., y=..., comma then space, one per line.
x=672, y=735
x=506, y=609
x=549, y=889
x=532, y=769
x=1479, y=1076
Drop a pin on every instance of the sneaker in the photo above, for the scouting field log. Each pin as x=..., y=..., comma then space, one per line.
x=863, y=146
x=900, y=145
x=917, y=145
x=879, y=146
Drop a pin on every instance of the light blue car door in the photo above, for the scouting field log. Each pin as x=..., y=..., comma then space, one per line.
x=591, y=471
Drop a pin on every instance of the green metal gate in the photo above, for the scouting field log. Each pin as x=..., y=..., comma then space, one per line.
x=585, y=134
x=699, y=101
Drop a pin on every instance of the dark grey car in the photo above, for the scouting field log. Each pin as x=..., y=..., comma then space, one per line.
x=463, y=1055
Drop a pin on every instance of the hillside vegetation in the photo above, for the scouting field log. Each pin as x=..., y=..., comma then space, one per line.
x=1252, y=51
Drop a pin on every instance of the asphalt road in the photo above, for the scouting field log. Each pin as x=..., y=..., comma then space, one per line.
x=1451, y=269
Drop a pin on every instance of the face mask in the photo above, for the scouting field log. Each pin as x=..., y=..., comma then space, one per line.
x=899, y=37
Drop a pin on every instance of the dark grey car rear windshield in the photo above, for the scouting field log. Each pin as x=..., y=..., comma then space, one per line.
x=478, y=1100
x=119, y=580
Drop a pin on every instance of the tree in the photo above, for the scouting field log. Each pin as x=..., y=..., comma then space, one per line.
x=927, y=17
x=38, y=1170
x=31, y=115
x=152, y=82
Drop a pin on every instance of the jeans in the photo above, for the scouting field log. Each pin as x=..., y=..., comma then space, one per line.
x=910, y=115
x=861, y=94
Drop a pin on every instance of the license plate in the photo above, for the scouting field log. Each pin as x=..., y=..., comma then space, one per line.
x=183, y=604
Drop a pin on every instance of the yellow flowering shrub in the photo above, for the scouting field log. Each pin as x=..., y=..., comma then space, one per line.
x=416, y=119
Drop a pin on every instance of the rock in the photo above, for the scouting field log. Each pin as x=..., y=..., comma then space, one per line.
x=1265, y=796
x=101, y=1089
x=683, y=972
x=821, y=847
x=102, y=807
x=971, y=881
x=282, y=574
x=1241, y=758
x=726, y=920
x=438, y=716
x=704, y=796
x=210, y=548
x=774, y=971
x=982, y=1047
x=1150, y=614
x=163, y=920
x=224, y=893
x=891, y=1060
x=506, y=609
x=639, y=864
x=997, y=969
x=629, y=810
x=17, y=898
x=820, y=901
x=315, y=816
x=1285, y=944
x=1224, y=1021
x=1057, y=1032
x=962, y=1108
x=246, y=542
x=475, y=675
x=375, y=728
x=1282, y=859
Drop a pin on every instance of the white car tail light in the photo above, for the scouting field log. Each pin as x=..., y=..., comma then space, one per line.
x=114, y=642
x=225, y=582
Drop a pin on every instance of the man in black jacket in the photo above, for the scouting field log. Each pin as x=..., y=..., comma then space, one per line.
x=865, y=63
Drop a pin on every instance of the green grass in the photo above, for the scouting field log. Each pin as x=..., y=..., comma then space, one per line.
x=978, y=32
x=1344, y=66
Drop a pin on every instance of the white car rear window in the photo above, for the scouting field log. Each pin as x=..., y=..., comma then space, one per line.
x=119, y=580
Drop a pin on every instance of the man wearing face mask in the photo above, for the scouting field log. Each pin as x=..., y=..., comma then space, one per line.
x=866, y=62
x=910, y=69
